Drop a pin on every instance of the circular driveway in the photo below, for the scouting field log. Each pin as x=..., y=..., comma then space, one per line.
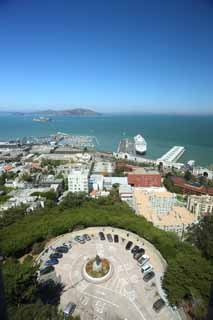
x=124, y=295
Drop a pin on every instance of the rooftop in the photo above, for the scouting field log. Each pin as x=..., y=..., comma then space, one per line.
x=176, y=216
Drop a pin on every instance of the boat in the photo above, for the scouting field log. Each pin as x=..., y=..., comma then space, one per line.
x=140, y=144
x=42, y=119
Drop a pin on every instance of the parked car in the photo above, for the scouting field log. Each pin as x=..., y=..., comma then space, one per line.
x=65, y=245
x=69, y=309
x=139, y=253
x=62, y=249
x=56, y=255
x=51, y=262
x=135, y=249
x=109, y=237
x=116, y=238
x=102, y=236
x=87, y=237
x=129, y=244
x=146, y=268
x=46, y=270
x=142, y=260
x=80, y=239
x=158, y=305
x=148, y=276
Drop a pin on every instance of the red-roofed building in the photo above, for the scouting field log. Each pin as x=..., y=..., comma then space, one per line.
x=8, y=167
x=191, y=188
x=144, y=178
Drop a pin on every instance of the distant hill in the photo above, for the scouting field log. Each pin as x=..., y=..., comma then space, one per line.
x=68, y=112
x=50, y=112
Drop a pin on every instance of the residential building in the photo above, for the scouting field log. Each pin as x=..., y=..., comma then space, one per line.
x=103, y=167
x=160, y=208
x=200, y=205
x=78, y=180
x=125, y=192
x=144, y=177
x=110, y=181
x=97, y=194
x=96, y=182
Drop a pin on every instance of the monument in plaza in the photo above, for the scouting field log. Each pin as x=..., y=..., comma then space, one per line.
x=97, y=264
x=97, y=269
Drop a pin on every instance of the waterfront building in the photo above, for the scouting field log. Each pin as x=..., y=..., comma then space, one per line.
x=200, y=171
x=78, y=180
x=200, y=205
x=160, y=208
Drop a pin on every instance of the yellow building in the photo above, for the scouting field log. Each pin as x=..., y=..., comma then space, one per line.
x=160, y=208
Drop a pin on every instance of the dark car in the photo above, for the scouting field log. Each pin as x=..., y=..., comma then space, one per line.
x=149, y=276
x=56, y=255
x=135, y=249
x=102, y=236
x=129, y=244
x=116, y=239
x=137, y=255
x=109, y=237
x=46, y=270
x=87, y=237
x=158, y=305
x=62, y=249
x=51, y=262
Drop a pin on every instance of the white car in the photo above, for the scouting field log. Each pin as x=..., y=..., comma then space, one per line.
x=144, y=259
x=146, y=268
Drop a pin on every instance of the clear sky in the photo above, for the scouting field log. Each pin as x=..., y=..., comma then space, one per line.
x=109, y=55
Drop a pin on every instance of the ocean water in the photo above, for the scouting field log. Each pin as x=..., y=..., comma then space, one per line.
x=162, y=132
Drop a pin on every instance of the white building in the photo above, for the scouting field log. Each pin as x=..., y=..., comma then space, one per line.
x=110, y=181
x=96, y=182
x=200, y=205
x=200, y=171
x=125, y=192
x=78, y=180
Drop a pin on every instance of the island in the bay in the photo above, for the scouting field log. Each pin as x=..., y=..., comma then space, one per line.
x=53, y=112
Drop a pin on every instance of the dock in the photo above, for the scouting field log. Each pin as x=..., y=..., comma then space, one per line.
x=127, y=146
x=172, y=155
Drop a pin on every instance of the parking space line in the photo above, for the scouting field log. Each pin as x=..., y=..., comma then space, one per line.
x=102, y=299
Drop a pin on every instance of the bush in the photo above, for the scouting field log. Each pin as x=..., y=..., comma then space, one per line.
x=38, y=247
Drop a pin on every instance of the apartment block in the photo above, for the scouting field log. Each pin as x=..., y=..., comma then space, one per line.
x=78, y=180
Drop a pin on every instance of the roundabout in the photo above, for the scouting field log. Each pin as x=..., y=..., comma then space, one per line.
x=104, y=280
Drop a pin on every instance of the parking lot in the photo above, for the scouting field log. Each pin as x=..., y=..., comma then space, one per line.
x=125, y=295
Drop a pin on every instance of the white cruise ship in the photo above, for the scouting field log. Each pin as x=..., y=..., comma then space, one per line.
x=140, y=144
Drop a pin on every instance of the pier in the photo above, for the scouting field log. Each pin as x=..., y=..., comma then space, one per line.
x=126, y=150
x=127, y=146
x=172, y=155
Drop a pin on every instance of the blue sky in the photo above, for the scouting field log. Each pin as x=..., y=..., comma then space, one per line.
x=119, y=55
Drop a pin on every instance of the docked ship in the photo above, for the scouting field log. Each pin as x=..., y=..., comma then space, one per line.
x=140, y=144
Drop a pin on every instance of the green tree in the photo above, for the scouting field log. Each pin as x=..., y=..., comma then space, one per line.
x=201, y=235
x=188, y=175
